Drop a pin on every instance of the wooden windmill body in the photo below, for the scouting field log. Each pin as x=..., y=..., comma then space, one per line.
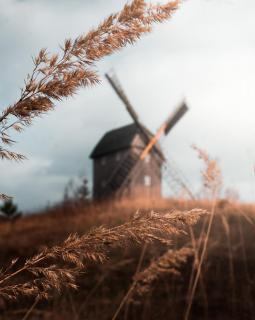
x=128, y=161
x=113, y=159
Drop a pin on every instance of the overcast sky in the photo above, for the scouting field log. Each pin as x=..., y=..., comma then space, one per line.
x=205, y=54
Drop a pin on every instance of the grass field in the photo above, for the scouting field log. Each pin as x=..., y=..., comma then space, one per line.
x=225, y=288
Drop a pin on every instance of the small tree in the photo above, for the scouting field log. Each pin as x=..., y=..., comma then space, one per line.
x=82, y=194
x=77, y=195
x=10, y=210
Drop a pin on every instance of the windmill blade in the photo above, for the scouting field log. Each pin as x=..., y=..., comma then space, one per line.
x=153, y=141
x=165, y=128
x=121, y=94
x=113, y=80
x=175, y=117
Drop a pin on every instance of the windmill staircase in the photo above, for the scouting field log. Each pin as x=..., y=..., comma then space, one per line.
x=121, y=174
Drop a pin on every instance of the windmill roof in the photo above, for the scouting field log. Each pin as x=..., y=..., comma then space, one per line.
x=118, y=139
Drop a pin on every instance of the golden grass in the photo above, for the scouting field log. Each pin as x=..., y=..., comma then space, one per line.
x=119, y=273
x=57, y=267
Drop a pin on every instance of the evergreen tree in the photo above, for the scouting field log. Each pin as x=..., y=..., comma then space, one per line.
x=10, y=210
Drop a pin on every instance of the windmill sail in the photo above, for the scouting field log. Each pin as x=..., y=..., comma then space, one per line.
x=175, y=117
x=165, y=127
x=113, y=80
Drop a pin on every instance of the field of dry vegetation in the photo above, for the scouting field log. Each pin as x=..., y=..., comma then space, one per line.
x=131, y=259
x=137, y=280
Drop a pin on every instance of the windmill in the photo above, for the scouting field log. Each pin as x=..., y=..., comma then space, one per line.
x=129, y=161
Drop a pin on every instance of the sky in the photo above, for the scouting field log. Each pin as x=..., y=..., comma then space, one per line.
x=204, y=54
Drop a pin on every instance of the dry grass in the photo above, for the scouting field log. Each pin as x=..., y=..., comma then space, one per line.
x=117, y=271
x=106, y=284
x=212, y=182
x=167, y=264
x=57, y=267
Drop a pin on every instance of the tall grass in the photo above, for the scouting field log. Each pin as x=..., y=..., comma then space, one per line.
x=57, y=267
x=140, y=280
